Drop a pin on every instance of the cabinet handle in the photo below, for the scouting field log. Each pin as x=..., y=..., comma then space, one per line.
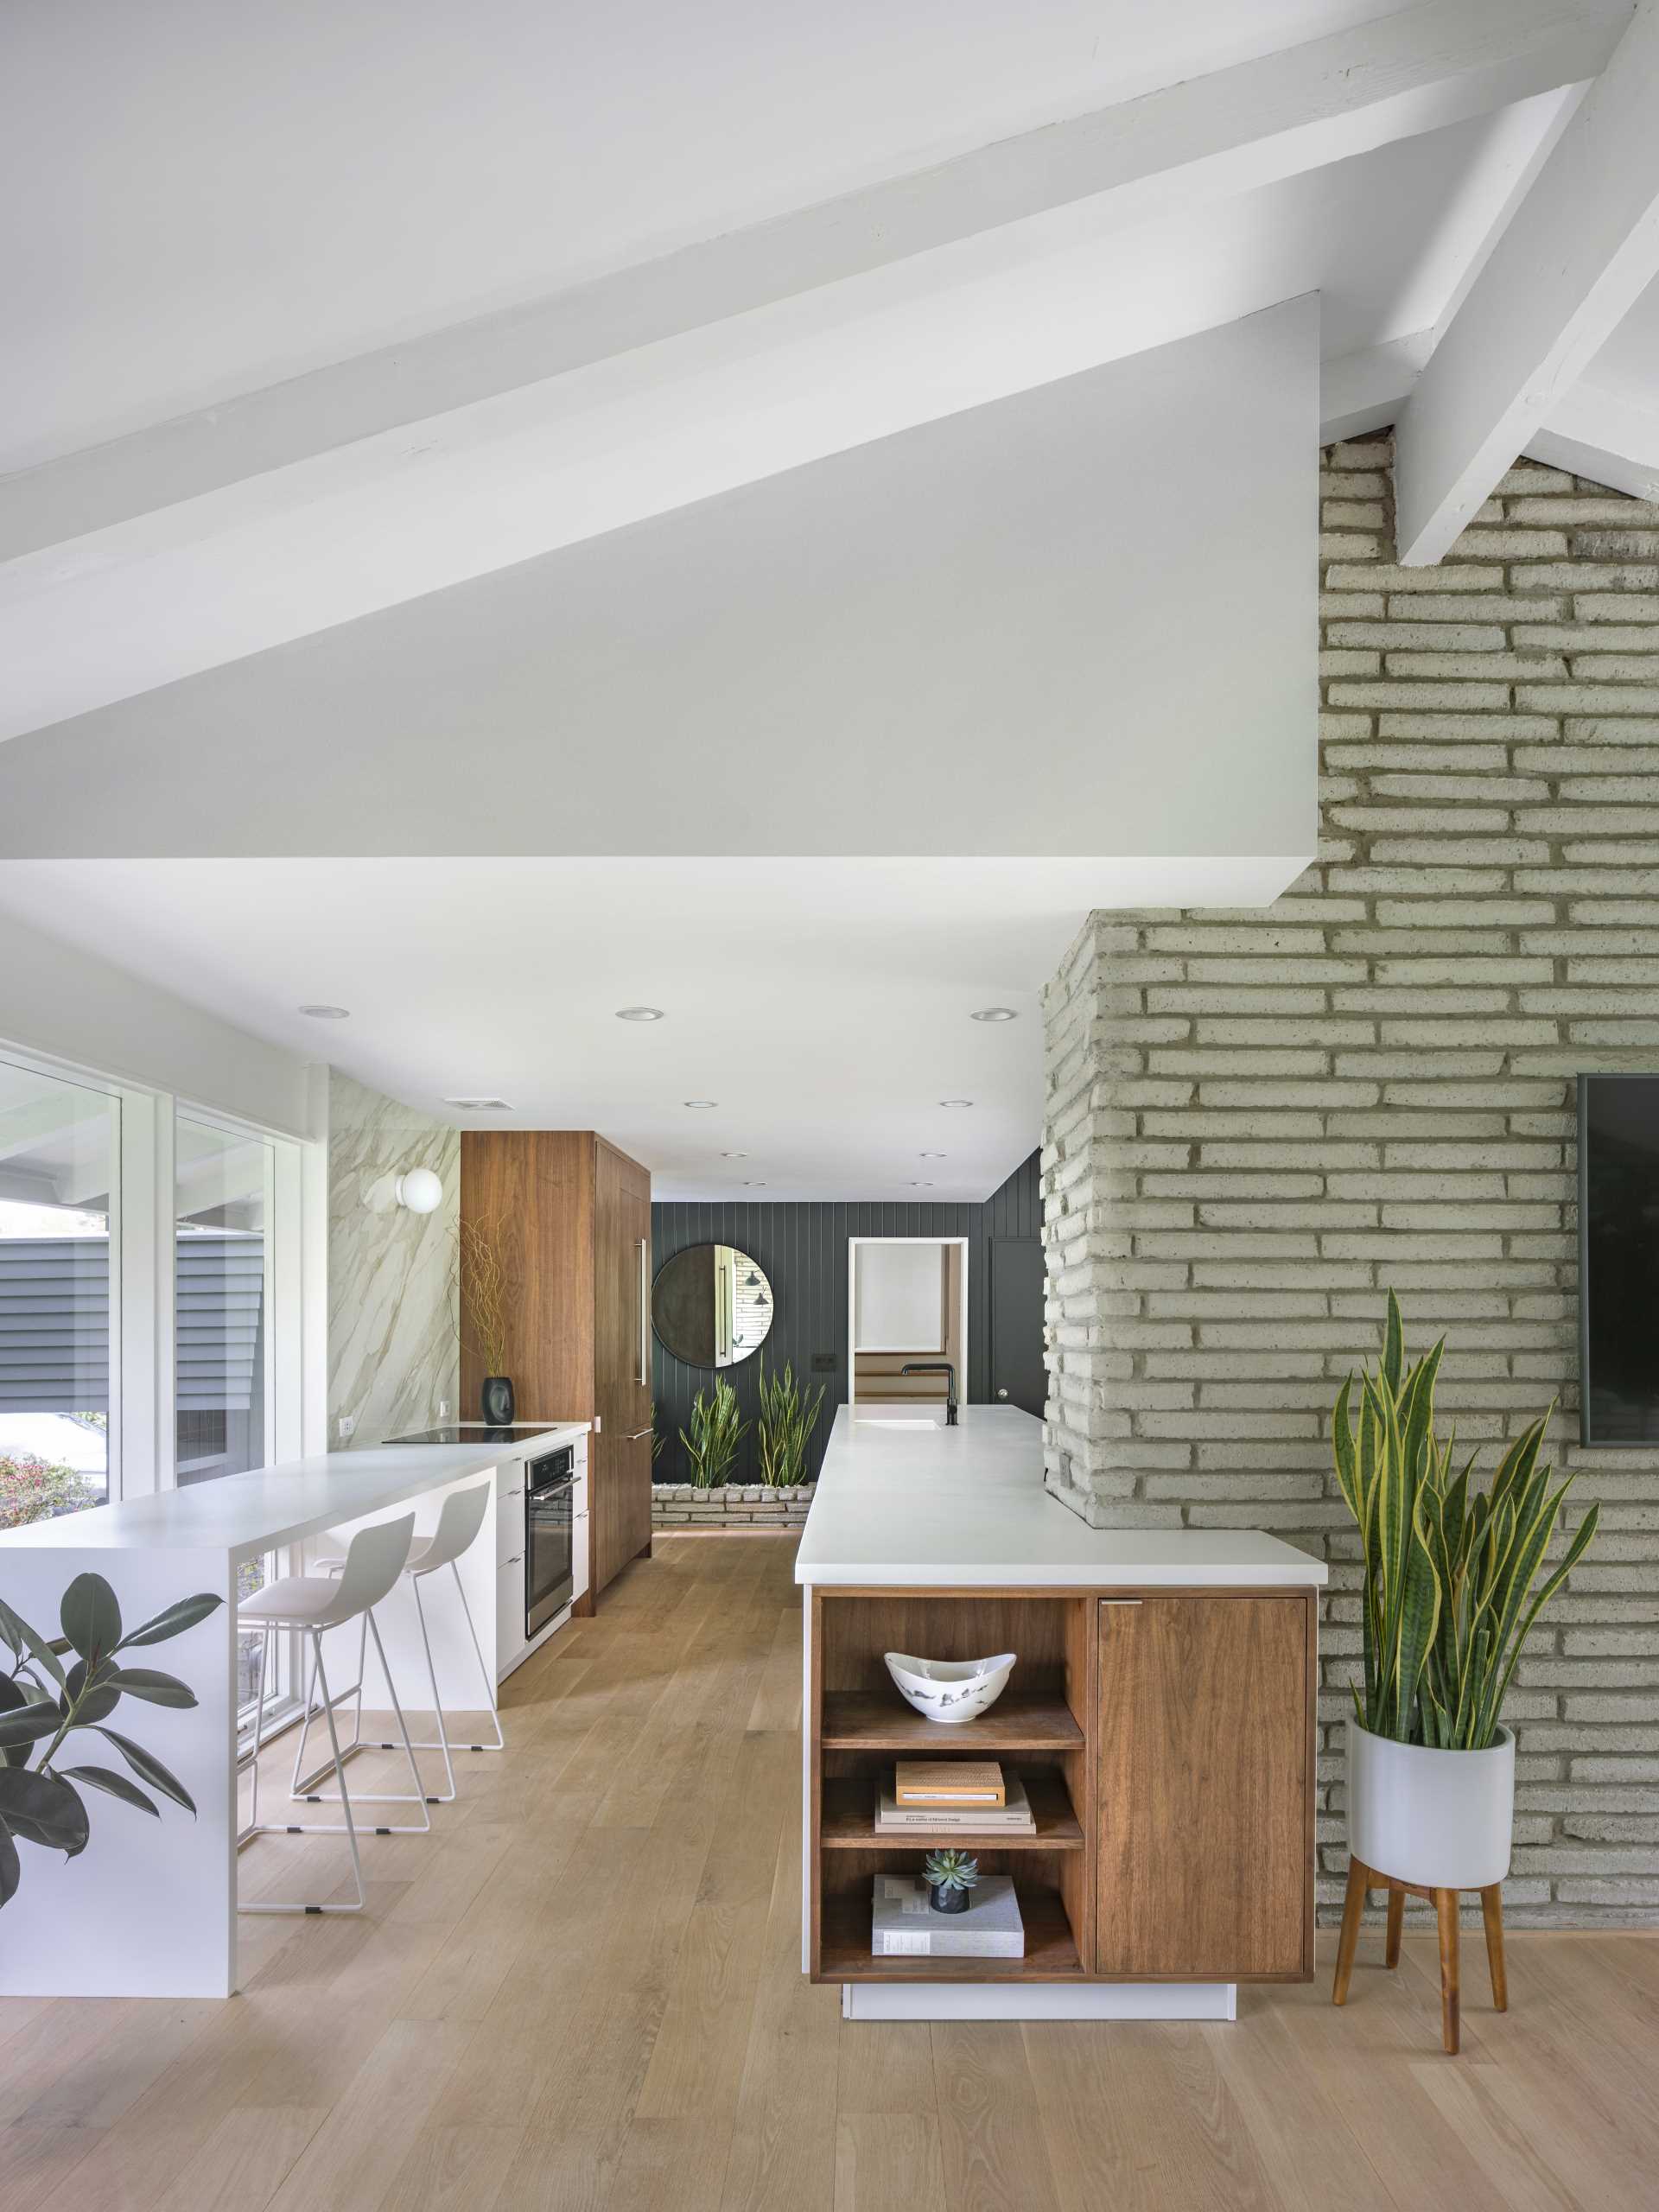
x=1123, y=1601
x=1001, y=1394
x=516, y=1560
x=513, y=1493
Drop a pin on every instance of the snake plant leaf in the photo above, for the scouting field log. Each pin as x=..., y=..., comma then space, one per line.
x=42, y=1808
x=149, y=1768
x=1419, y=1612
x=154, y=1687
x=1342, y=1450
x=172, y=1620
x=104, y=1777
x=91, y=1618
x=1583, y=1536
x=1394, y=1347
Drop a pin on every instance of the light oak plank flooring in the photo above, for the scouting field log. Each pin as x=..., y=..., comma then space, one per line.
x=583, y=1994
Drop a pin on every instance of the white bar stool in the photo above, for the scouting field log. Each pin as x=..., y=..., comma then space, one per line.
x=459, y=1522
x=313, y=1604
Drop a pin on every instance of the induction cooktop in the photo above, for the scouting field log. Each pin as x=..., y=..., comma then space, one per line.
x=477, y=1431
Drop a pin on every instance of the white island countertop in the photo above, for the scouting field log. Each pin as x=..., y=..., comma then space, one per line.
x=918, y=1507
x=250, y=1514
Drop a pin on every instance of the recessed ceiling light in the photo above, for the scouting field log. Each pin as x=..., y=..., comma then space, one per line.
x=933, y=1155
x=919, y=1186
x=703, y=1105
x=995, y=1014
x=480, y=1105
x=639, y=1013
x=755, y=1186
x=328, y=1013
x=955, y=1102
x=734, y=1155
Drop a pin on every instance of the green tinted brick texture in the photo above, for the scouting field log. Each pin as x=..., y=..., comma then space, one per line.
x=1258, y=1122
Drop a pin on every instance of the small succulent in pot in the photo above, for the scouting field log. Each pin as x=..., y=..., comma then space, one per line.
x=950, y=1875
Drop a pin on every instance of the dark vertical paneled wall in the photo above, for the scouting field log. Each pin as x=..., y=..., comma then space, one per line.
x=804, y=1250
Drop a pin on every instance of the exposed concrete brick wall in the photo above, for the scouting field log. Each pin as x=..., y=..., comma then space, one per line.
x=733, y=1505
x=1258, y=1122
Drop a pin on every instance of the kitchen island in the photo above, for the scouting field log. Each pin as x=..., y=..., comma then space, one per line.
x=1160, y=1713
x=149, y=1907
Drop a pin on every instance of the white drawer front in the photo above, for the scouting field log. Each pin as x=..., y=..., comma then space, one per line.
x=510, y=1515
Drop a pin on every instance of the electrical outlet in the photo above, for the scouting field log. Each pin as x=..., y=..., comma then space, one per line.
x=347, y=1426
x=824, y=1363
x=443, y=1408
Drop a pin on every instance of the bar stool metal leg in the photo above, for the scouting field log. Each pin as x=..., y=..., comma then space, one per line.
x=309, y=1828
x=301, y=1788
x=443, y=1742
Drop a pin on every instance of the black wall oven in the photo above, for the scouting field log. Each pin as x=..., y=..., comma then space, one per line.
x=549, y=1549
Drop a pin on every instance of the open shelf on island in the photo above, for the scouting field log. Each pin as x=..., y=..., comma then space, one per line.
x=862, y=1720
x=1051, y=1953
x=849, y=1820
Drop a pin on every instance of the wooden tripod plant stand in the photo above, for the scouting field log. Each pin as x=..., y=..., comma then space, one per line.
x=1362, y=1880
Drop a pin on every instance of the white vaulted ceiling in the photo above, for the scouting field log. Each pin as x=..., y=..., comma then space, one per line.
x=590, y=432
x=209, y=199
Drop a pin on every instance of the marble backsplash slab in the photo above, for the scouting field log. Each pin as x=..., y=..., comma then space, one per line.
x=393, y=1354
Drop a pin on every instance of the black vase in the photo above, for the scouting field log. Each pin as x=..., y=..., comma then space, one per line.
x=946, y=1900
x=498, y=1401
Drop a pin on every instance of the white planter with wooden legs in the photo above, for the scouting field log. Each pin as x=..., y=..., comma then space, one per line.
x=1429, y=1824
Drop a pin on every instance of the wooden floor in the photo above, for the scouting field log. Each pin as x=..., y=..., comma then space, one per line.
x=584, y=1991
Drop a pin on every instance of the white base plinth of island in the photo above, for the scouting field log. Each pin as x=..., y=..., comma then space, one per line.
x=1039, y=2000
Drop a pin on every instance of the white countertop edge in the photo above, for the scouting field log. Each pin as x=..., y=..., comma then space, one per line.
x=250, y=1514
x=1072, y=1575
x=908, y=1507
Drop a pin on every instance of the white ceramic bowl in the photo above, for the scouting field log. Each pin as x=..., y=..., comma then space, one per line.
x=950, y=1689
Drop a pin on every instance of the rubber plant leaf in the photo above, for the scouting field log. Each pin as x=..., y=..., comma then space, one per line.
x=42, y=1808
x=104, y=1777
x=149, y=1768
x=91, y=1617
x=155, y=1688
x=174, y=1620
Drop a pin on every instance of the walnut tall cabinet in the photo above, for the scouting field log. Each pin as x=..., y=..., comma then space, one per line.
x=573, y=1217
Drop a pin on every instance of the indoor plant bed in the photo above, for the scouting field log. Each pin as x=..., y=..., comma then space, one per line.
x=1447, y=1603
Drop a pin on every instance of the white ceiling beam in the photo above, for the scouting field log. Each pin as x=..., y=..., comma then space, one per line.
x=1603, y=436
x=1366, y=390
x=1582, y=245
x=383, y=479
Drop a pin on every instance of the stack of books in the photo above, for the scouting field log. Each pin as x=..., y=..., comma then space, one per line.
x=904, y=1925
x=947, y=1796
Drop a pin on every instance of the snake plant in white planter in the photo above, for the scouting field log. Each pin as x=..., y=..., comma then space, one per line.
x=1448, y=1603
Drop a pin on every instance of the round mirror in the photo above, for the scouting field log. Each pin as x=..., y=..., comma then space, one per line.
x=711, y=1306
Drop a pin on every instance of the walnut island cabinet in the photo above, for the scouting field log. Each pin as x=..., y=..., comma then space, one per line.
x=572, y=1216
x=1161, y=1714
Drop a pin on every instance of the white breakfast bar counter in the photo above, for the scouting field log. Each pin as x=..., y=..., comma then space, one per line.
x=1162, y=1712
x=149, y=1907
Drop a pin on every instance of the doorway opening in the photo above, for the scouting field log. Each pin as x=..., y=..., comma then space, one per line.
x=907, y=1301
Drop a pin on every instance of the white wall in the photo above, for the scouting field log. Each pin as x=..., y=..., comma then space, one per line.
x=898, y=1297
x=73, y=1006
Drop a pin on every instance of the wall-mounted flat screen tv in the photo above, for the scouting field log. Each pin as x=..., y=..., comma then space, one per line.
x=1618, y=1258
